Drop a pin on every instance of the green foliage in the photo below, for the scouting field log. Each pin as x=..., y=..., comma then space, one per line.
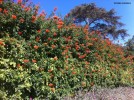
x=45, y=58
x=129, y=48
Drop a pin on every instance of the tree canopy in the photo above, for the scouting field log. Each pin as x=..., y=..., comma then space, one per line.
x=130, y=44
x=99, y=19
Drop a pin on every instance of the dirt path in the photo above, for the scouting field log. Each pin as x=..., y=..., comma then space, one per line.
x=121, y=93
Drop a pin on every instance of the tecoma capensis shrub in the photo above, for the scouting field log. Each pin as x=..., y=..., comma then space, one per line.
x=45, y=58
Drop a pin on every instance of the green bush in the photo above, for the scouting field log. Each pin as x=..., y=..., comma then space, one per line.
x=45, y=58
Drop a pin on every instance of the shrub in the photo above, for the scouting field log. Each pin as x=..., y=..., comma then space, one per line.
x=44, y=58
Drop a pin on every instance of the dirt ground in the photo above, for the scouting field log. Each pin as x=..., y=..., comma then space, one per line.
x=120, y=93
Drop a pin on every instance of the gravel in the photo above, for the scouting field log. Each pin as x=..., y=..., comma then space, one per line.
x=120, y=93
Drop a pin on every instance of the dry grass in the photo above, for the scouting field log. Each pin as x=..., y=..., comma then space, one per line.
x=120, y=93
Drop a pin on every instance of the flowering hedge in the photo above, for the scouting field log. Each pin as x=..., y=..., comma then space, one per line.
x=46, y=58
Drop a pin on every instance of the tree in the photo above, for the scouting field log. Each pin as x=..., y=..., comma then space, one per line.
x=99, y=19
x=130, y=44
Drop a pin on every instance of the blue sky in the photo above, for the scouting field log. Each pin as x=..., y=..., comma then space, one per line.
x=126, y=11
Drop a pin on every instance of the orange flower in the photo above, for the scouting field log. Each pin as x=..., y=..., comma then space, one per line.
x=51, y=85
x=60, y=23
x=1, y=42
x=27, y=9
x=1, y=1
x=73, y=25
x=19, y=33
x=50, y=70
x=98, y=32
x=21, y=20
x=22, y=6
x=94, y=39
x=55, y=17
x=36, y=47
x=88, y=51
x=0, y=9
x=59, y=26
x=19, y=1
x=34, y=61
x=25, y=60
x=93, y=32
x=73, y=72
x=108, y=42
x=86, y=62
x=53, y=46
x=66, y=56
x=33, y=18
x=14, y=17
x=55, y=34
x=77, y=47
x=89, y=44
x=49, y=39
x=63, y=53
x=82, y=56
x=18, y=65
x=47, y=30
x=38, y=31
x=55, y=58
x=37, y=39
x=5, y=11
